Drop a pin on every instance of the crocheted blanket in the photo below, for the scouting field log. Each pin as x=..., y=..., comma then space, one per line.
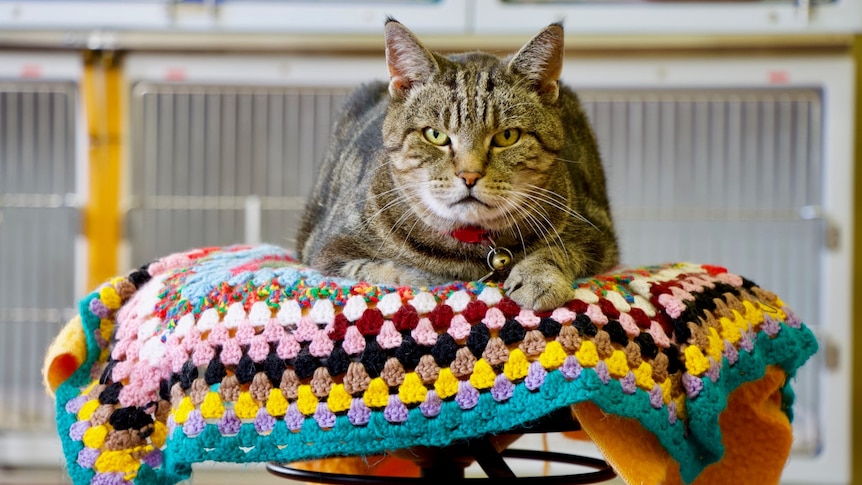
x=240, y=354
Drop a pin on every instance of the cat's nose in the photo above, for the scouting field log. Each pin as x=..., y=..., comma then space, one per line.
x=470, y=178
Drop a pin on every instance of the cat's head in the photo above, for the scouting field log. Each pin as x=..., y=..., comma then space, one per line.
x=473, y=139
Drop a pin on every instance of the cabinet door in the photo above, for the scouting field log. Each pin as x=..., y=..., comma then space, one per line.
x=745, y=163
x=669, y=16
x=39, y=234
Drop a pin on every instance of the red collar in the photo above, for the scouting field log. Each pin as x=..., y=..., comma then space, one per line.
x=472, y=235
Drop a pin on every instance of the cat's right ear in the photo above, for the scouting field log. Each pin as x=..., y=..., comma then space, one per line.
x=410, y=63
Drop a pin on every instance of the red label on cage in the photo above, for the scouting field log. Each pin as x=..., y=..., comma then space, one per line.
x=31, y=71
x=778, y=77
x=175, y=74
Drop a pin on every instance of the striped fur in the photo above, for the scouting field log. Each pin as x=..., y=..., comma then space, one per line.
x=387, y=198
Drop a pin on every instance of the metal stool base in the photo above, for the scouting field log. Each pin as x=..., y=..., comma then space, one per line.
x=447, y=464
x=603, y=472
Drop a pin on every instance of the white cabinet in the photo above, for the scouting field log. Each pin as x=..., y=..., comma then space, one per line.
x=445, y=17
x=43, y=150
x=670, y=17
x=746, y=163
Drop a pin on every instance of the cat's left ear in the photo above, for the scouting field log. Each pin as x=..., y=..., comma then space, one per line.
x=410, y=63
x=541, y=61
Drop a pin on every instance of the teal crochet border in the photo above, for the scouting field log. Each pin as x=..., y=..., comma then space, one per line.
x=71, y=388
x=789, y=349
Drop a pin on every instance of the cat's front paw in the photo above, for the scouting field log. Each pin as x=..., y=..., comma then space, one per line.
x=538, y=286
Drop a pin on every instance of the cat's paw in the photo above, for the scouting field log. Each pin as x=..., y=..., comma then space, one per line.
x=538, y=286
x=384, y=273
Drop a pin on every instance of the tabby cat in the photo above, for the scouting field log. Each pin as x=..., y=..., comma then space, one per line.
x=457, y=157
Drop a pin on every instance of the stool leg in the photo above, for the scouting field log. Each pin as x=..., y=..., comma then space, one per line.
x=439, y=465
x=490, y=459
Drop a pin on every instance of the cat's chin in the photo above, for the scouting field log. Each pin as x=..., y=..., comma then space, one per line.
x=457, y=219
x=469, y=213
x=470, y=201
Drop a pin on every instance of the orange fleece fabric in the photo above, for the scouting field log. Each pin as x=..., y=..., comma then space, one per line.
x=755, y=431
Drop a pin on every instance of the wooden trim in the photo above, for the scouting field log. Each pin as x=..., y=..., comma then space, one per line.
x=856, y=324
x=101, y=91
x=334, y=44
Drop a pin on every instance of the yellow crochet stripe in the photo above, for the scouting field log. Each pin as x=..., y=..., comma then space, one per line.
x=447, y=383
x=681, y=411
x=666, y=390
x=377, y=394
x=643, y=376
x=742, y=323
x=695, y=362
x=88, y=409
x=729, y=330
x=123, y=461
x=95, y=436
x=106, y=329
x=716, y=345
x=181, y=415
x=110, y=298
x=588, y=354
x=160, y=434
x=212, y=407
x=617, y=364
x=483, y=375
x=774, y=311
x=412, y=391
x=553, y=356
x=306, y=401
x=752, y=313
x=517, y=366
x=276, y=404
x=339, y=400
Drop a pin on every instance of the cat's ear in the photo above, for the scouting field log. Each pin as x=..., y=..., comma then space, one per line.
x=541, y=61
x=410, y=63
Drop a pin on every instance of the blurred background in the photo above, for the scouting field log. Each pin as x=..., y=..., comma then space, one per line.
x=131, y=129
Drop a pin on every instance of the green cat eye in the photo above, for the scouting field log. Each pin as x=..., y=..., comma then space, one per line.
x=435, y=137
x=506, y=138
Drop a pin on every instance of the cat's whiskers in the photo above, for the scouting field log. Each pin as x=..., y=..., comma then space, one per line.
x=543, y=226
x=405, y=217
x=395, y=225
x=559, y=203
x=404, y=194
x=566, y=160
x=541, y=211
x=524, y=211
x=515, y=226
x=409, y=232
x=401, y=198
x=398, y=188
x=368, y=223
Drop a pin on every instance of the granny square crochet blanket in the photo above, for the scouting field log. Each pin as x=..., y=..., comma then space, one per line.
x=241, y=354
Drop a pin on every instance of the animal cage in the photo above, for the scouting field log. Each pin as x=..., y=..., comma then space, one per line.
x=745, y=172
x=40, y=252
x=744, y=163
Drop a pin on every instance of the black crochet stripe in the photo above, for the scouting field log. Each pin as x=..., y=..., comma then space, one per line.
x=478, y=339
x=444, y=350
x=141, y=276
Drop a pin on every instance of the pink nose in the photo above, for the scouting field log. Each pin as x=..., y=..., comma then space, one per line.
x=470, y=178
